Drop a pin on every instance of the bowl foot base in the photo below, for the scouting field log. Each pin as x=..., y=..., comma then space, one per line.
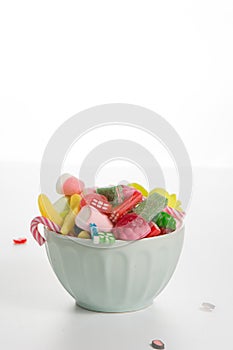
x=113, y=309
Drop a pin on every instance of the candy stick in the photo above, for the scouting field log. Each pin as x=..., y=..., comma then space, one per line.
x=68, y=223
x=127, y=205
x=44, y=221
x=94, y=233
x=179, y=215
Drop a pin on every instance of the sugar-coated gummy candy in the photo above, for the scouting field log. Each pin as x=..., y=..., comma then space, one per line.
x=165, y=220
x=84, y=234
x=89, y=214
x=151, y=206
x=48, y=211
x=69, y=185
x=131, y=227
x=114, y=194
x=140, y=188
x=173, y=202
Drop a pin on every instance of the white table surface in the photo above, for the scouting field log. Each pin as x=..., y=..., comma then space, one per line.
x=37, y=313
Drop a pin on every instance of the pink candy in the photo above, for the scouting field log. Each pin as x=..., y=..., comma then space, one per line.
x=98, y=201
x=88, y=215
x=131, y=227
x=69, y=185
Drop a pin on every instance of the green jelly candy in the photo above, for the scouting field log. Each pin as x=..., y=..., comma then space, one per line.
x=150, y=207
x=113, y=194
x=106, y=237
x=165, y=220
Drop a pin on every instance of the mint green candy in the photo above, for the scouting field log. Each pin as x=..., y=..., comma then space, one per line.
x=106, y=237
x=150, y=207
x=164, y=220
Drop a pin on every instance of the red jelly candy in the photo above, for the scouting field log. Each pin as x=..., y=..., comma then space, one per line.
x=155, y=230
x=20, y=240
x=165, y=231
x=131, y=227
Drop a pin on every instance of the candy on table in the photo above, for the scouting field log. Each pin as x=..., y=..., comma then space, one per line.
x=114, y=194
x=151, y=206
x=157, y=344
x=165, y=220
x=173, y=202
x=44, y=221
x=177, y=214
x=124, y=207
x=131, y=227
x=20, y=240
x=94, y=233
x=154, y=230
x=69, y=185
x=107, y=237
x=98, y=201
x=69, y=220
x=207, y=307
x=89, y=214
x=84, y=234
x=140, y=188
x=48, y=211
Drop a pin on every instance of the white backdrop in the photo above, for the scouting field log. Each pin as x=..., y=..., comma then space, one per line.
x=60, y=57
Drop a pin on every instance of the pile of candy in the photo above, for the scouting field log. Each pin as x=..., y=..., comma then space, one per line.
x=122, y=212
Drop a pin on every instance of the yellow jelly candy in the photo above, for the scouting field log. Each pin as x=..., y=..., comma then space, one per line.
x=173, y=202
x=70, y=217
x=48, y=211
x=84, y=234
x=140, y=188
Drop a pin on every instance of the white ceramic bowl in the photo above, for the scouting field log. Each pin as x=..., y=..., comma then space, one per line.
x=118, y=278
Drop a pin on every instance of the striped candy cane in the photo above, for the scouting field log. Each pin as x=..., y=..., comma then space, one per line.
x=46, y=222
x=179, y=215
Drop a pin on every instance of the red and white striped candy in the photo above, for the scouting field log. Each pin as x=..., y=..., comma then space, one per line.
x=46, y=222
x=179, y=215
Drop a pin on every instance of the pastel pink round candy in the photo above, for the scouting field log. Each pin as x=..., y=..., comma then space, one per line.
x=131, y=227
x=69, y=185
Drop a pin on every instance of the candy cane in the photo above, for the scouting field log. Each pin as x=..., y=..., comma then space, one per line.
x=46, y=222
x=179, y=215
